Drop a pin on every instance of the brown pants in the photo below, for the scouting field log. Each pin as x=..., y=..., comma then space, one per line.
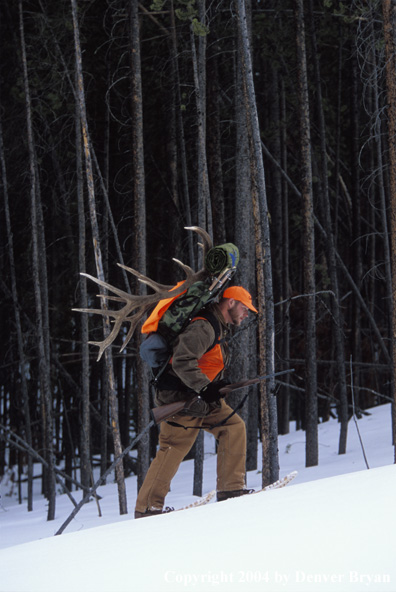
x=176, y=442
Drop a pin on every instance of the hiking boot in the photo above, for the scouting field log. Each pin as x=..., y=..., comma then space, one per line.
x=152, y=512
x=224, y=495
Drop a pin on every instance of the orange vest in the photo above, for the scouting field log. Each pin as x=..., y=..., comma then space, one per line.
x=151, y=324
x=212, y=362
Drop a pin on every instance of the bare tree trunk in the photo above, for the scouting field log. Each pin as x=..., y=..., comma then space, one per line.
x=21, y=350
x=85, y=449
x=379, y=151
x=389, y=12
x=215, y=171
x=311, y=404
x=269, y=425
x=200, y=96
x=338, y=322
x=204, y=206
x=285, y=390
x=139, y=228
x=356, y=232
x=181, y=139
x=43, y=350
x=98, y=261
x=243, y=360
x=280, y=270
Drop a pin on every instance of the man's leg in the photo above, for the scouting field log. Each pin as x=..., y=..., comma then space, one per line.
x=231, y=451
x=174, y=444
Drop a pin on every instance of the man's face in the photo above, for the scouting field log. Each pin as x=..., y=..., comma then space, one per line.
x=238, y=312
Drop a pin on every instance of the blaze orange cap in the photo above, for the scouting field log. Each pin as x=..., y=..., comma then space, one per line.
x=240, y=294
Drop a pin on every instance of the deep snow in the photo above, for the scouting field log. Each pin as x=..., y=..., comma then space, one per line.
x=332, y=528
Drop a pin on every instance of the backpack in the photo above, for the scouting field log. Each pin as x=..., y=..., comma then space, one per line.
x=156, y=349
x=171, y=316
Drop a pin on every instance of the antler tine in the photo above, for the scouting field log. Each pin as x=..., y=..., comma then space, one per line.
x=207, y=241
x=121, y=293
x=146, y=280
x=186, y=268
x=103, y=345
x=133, y=322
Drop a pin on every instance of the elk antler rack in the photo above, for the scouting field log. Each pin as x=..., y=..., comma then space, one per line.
x=136, y=306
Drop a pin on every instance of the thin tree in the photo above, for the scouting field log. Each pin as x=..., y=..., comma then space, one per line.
x=286, y=292
x=338, y=322
x=181, y=135
x=38, y=266
x=311, y=405
x=244, y=352
x=139, y=226
x=85, y=449
x=21, y=350
x=98, y=260
x=269, y=421
x=204, y=215
x=389, y=13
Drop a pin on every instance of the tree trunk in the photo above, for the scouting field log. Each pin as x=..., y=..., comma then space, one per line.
x=269, y=425
x=139, y=227
x=39, y=290
x=200, y=99
x=98, y=261
x=356, y=234
x=204, y=214
x=215, y=171
x=181, y=138
x=85, y=450
x=243, y=359
x=21, y=351
x=338, y=321
x=389, y=12
x=285, y=308
x=311, y=405
x=383, y=206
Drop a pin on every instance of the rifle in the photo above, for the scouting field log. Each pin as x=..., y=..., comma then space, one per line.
x=165, y=411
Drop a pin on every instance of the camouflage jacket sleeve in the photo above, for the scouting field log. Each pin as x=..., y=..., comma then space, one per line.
x=190, y=346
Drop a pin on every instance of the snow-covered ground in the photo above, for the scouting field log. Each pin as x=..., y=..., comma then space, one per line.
x=332, y=528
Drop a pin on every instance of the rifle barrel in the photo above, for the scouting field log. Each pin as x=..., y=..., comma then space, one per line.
x=237, y=385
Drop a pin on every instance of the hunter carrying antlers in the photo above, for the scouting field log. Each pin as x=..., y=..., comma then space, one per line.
x=194, y=371
x=198, y=367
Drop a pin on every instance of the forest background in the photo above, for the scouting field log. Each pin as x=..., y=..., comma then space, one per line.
x=269, y=124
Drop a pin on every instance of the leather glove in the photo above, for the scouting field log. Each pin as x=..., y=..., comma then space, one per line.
x=211, y=392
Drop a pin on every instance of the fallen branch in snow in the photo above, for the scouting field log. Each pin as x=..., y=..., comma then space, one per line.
x=102, y=478
x=21, y=444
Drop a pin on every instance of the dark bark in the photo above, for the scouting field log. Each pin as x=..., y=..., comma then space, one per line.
x=244, y=346
x=38, y=266
x=139, y=227
x=18, y=324
x=85, y=449
x=338, y=321
x=269, y=420
x=389, y=11
x=311, y=404
x=98, y=260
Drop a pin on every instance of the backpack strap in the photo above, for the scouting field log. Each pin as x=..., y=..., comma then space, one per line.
x=165, y=381
x=209, y=316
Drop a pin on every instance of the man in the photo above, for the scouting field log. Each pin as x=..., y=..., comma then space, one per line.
x=200, y=356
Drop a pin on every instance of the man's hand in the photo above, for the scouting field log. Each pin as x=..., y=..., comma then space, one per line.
x=211, y=393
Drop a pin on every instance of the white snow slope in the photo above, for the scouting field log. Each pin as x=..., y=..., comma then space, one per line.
x=332, y=528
